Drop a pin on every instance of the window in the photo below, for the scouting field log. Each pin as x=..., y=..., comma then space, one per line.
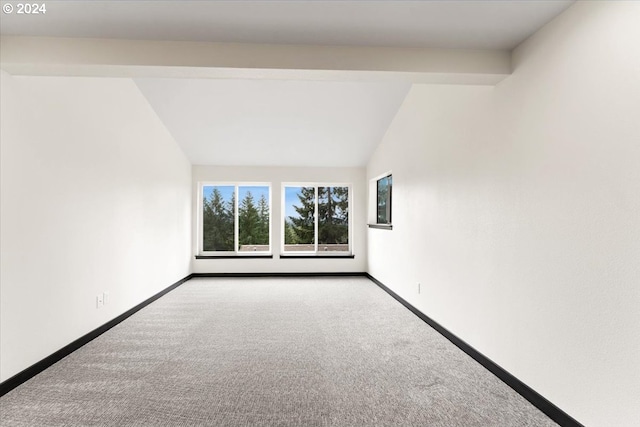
x=383, y=200
x=235, y=219
x=316, y=219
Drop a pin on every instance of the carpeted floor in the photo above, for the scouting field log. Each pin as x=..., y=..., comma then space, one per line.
x=275, y=352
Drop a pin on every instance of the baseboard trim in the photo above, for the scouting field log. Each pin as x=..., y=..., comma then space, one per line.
x=536, y=399
x=318, y=274
x=251, y=256
x=33, y=370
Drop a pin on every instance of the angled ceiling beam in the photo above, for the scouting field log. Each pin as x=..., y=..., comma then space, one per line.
x=136, y=58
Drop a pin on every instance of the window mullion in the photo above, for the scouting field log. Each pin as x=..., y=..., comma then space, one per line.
x=315, y=221
x=236, y=220
x=200, y=218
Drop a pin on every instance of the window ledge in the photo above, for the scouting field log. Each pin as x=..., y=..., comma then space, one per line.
x=382, y=226
x=316, y=256
x=234, y=256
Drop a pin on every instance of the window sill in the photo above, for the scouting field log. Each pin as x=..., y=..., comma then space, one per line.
x=316, y=256
x=267, y=256
x=381, y=226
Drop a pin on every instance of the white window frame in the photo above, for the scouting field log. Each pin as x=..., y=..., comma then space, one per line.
x=315, y=185
x=236, y=222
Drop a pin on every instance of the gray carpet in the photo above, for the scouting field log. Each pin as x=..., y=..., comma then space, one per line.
x=276, y=352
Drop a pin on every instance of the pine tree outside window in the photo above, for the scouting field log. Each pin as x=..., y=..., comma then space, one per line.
x=316, y=219
x=235, y=219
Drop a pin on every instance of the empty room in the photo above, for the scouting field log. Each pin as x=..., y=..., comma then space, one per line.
x=320, y=213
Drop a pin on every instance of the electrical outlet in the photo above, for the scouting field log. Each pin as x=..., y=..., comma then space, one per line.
x=105, y=297
x=99, y=300
x=418, y=287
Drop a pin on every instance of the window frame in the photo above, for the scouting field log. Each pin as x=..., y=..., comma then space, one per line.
x=389, y=200
x=316, y=252
x=236, y=225
x=372, y=202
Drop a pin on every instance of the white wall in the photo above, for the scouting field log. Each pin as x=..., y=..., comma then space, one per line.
x=276, y=176
x=518, y=209
x=96, y=196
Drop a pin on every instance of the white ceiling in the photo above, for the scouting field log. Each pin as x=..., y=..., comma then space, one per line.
x=478, y=24
x=275, y=122
x=287, y=122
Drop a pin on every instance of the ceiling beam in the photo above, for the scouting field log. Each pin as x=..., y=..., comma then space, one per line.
x=137, y=58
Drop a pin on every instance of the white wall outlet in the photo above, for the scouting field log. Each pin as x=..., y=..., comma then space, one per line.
x=105, y=297
x=99, y=300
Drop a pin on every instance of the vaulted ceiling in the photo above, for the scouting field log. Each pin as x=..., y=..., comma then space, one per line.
x=229, y=117
x=477, y=24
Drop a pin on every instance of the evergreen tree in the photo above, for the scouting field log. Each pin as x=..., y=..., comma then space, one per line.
x=250, y=222
x=217, y=223
x=333, y=215
x=207, y=225
x=230, y=230
x=303, y=224
x=263, y=215
x=290, y=236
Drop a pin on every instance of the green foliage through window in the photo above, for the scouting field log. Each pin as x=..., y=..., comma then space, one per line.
x=218, y=219
x=330, y=231
x=333, y=215
x=220, y=216
x=253, y=219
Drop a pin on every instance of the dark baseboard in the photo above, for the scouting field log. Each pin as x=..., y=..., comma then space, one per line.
x=319, y=274
x=293, y=256
x=551, y=410
x=536, y=399
x=252, y=256
x=33, y=370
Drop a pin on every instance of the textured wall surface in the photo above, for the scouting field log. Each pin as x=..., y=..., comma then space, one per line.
x=517, y=208
x=96, y=196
